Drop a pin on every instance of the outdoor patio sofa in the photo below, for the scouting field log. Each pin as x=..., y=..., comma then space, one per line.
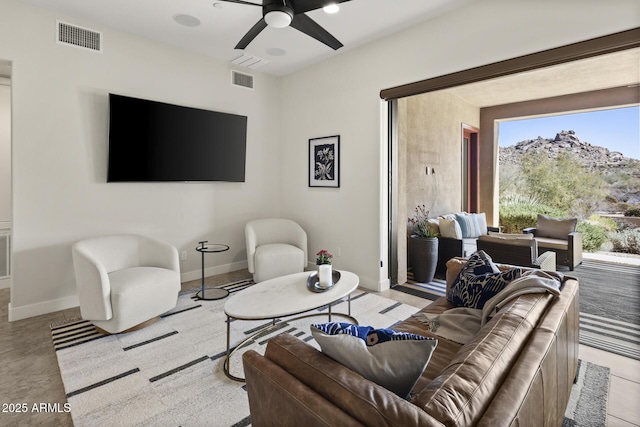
x=517, y=370
x=457, y=236
x=517, y=249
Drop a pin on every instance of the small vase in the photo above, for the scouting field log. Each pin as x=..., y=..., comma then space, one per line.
x=324, y=275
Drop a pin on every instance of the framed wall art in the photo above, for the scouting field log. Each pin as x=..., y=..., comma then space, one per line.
x=324, y=161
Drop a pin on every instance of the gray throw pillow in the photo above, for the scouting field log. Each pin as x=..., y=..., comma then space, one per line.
x=392, y=359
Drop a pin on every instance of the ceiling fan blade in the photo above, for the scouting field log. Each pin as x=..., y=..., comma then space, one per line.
x=302, y=6
x=242, y=2
x=251, y=34
x=302, y=22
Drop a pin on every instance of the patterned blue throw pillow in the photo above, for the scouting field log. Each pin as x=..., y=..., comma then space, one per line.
x=479, y=281
x=392, y=359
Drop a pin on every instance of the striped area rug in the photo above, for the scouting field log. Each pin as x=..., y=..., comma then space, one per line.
x=609, y=307
x=170, y=373
x=431, y=291
x=609, y=304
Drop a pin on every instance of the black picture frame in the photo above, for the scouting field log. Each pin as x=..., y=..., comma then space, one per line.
x=324, y=161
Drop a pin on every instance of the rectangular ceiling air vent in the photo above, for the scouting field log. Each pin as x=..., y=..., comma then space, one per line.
x=250, y=61
x=75, y=36
x=241, y=79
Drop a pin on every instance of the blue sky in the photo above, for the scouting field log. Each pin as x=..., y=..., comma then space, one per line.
x=617, y=129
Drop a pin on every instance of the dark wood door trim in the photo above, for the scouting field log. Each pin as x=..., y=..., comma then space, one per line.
x=598, y=46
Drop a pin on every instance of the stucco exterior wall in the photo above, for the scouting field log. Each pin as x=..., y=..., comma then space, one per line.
x=430, y=137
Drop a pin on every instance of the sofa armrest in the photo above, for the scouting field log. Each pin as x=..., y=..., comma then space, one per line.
x=276, y=398
x=530, y=230
x=546, y=261
x=575, y=247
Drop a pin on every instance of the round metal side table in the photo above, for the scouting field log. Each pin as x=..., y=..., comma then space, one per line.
x=210, y=293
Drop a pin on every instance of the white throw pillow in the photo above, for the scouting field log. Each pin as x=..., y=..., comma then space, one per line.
x=482, y=223
x=392, y=359
x=450, y=228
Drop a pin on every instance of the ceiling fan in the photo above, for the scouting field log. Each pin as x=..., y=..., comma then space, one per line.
x=284, y=13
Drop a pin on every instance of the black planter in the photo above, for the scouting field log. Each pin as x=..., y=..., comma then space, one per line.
x=423, y=257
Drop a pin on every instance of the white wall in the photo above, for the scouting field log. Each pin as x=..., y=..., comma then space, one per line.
x=5, y=169
x=60, y=108
x=5, y=151
x=341, y=96
x=59, y=134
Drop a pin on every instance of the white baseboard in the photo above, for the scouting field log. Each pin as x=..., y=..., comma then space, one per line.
x=212, y=271
x=384, y=285
x=5, y=283
x=44, y=307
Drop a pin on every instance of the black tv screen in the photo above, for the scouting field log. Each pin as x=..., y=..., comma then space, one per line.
x=155, y=141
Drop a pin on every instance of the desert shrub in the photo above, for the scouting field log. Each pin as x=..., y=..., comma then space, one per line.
x=594, y=235
x=514, y=217
x=635, y=211
x=627, y=241
x=609, y=224
x=622, y=206
x=561, y=183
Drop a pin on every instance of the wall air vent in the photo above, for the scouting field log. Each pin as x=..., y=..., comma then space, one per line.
x=72, y=35
x=241, y=79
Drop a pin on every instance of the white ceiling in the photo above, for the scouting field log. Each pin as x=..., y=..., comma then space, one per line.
x=223, y=24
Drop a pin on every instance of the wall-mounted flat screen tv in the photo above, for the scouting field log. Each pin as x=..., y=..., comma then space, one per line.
x=152, y=141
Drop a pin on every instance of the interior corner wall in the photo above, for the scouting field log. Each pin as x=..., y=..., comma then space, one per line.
x=60, y=146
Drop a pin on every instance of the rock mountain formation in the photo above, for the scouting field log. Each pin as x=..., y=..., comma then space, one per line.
x=592, y=157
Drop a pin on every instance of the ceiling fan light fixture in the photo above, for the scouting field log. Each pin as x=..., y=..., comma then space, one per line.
x=278, y=18
x=331, y=8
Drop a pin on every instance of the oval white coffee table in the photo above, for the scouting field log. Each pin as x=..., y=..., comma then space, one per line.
x=281, y=297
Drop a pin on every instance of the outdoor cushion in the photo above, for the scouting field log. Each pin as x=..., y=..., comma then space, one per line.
x=508, y=241
x=472, y=224
x=514, y=236
x=450, y=228
x=554, y=227
x=545, y=242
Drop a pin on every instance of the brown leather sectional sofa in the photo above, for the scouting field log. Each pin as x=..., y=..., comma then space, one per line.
x=516, y=371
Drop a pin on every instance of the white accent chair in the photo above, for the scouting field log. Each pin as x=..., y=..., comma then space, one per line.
x=275, y=247
x=125, y=280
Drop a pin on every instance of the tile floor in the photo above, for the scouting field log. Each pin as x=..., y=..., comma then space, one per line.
x=29, y=371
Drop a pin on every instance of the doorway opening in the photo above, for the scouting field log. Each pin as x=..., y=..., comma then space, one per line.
x=470, y=168
x=582, y=164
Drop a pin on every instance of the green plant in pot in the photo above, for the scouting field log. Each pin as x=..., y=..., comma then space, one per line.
x=423, y=246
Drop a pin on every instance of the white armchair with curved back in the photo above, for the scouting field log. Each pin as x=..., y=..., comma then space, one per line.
x=275, y=247
x=125, y=280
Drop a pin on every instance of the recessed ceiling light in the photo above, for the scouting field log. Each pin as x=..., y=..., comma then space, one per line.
x=276, y=51
x=332, y=8
x=187, y=20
